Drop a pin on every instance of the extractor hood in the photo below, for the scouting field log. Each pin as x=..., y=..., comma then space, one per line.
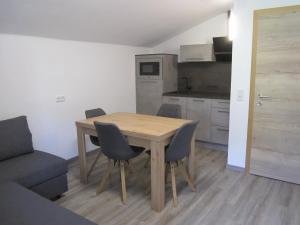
x=222, y=49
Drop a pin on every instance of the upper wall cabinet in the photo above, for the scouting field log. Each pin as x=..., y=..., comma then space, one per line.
x=197, y=53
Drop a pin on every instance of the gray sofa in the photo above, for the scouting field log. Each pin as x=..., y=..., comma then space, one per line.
x=27, y=176
x=19, y=206
x=41, y=172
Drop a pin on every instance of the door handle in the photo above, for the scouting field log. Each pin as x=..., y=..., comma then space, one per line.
x=264, y=97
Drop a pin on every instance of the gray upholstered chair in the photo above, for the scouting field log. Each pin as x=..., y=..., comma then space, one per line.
x=176, y=152
x=166, y=110
x=90, y=114
x=114, y=145
x=169, y=110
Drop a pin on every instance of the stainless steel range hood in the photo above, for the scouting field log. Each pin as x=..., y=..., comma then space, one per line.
x=222, y=49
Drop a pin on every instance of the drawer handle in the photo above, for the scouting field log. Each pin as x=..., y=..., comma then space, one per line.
x=148, y=81
x=222, y=111
x=224, y=103
x=198, y=100
x=224, y=130
x=194, y=58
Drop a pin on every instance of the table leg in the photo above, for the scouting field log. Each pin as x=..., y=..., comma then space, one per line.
x=157, y=176
x=82, y=155
x=192, y=160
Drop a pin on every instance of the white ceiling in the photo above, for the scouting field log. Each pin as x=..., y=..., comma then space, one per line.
x=127, y=22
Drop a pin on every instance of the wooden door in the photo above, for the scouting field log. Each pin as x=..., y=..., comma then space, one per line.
x=274, y=122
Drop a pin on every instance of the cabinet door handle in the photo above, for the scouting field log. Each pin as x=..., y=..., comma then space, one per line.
x=224, y=130
x=194, y=58
x=198, y=100
x=149, y=81
x=222, y=111
x=174, y=99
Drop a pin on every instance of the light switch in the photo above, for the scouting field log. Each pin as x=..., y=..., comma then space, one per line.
x=60, y=98
x=240, y=95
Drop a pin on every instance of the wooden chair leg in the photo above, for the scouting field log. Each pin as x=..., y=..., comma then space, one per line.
x=123, y=182
x=186, y=176
x=173, y=184
x=103, y=182
x=94, y=163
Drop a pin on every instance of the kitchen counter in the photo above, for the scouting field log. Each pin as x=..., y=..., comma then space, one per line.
x=192, y=94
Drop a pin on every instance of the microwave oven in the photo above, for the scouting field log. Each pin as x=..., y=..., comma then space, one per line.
x=149, y=67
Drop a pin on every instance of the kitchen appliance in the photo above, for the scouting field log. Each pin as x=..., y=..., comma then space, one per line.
x=155, y=74
x=197, y=53
x=223, y=49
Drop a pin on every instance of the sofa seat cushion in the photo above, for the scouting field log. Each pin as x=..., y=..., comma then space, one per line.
x=21, y=206
x=32, y=169
x=15, y=138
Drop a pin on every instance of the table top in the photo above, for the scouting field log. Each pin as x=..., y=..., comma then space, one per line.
x=150, y=127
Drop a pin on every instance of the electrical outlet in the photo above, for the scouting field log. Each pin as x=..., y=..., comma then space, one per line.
x=60, y=98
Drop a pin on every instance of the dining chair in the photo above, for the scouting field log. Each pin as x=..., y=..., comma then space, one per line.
x=170, y=110
x=165, y=110
x=115, y=147
x=176, y=152
x=90, y=114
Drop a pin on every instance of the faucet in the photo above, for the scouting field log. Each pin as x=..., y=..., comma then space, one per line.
x=188, y=87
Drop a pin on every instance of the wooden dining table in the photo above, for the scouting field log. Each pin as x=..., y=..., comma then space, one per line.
x=151, y=132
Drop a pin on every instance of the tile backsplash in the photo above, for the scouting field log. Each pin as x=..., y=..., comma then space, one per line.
x=204, y=77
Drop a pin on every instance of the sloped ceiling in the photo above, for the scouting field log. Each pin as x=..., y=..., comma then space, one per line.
x=127, y=22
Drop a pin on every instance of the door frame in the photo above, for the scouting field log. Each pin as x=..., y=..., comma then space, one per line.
x=256, y=15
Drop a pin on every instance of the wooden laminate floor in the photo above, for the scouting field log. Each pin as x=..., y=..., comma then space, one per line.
x=223, y=197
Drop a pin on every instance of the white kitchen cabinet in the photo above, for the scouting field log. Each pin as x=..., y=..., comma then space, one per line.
x=220, y=117
x=199, y=109
x=197, y=53
x=219, y=135
x=177, y=100
x=220, y=103
x=220, y=121
x=212, y=114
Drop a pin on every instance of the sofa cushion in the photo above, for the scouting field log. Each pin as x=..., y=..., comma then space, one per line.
x=15, y=138
x=32, y=169
x=21, y=206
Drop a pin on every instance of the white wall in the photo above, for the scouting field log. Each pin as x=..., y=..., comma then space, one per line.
x=241, y=70
x=33, y=71
x=200, y=34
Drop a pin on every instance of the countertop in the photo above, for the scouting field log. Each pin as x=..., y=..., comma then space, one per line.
x=195, y=94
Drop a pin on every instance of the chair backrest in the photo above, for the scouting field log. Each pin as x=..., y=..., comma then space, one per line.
x=94, y=113
x=181, y=142
x=169, y=110
x=113, y=144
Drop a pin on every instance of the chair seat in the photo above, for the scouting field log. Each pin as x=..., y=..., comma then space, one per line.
x=32, y=169
x=136, y=150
